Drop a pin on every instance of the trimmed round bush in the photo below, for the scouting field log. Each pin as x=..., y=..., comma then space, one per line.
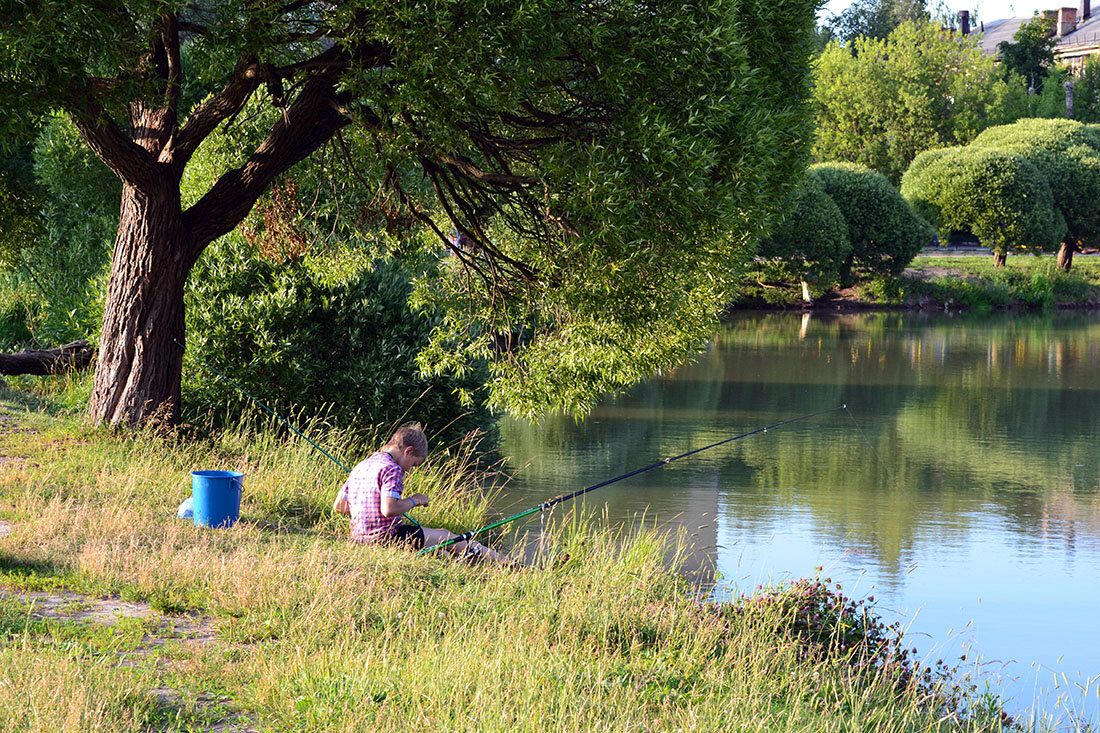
x=1049, y=134
x=884, y=232
x=1067, y=153
x=997, y=195
x=810, y=243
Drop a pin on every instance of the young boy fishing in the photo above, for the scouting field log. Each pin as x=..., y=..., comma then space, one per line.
x=373, y=496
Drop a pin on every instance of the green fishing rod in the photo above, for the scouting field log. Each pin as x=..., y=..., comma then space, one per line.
x=300, y=434
x=467, y=536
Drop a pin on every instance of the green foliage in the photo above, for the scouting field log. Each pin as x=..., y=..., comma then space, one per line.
x=1086, y=92
x=915, y=90
x=884, y=233
x=59, y=271
x=875, y=18
x=1031, y=54
x=1067, y=154
x=296, y=337
x=997, y=195
x=1051, y=102
x=810, y=243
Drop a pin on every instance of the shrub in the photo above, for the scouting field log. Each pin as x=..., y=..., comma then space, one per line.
x=998, y=196
x=884, y=233
x=1067, y=153
x=297, y=337
x=810, y=243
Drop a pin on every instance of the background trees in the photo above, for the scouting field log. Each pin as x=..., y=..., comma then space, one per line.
x=875, y=18
x=997, y=195
x=600, y=160
x=1031, y=53
x=809, y=244
x=917, y=89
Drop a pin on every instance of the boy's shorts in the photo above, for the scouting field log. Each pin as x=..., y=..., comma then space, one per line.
x=404, y=534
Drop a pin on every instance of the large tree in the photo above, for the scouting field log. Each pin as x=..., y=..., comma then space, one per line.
x=1031, y=53
x=607, y=161
x=918, y=89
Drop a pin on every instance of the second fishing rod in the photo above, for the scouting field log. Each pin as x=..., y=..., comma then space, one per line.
x=546, y=505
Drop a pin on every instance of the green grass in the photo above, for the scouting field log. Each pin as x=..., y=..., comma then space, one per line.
x=316, y=633
x=1026, y=281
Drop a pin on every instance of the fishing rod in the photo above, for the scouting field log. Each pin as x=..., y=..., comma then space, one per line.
x=469, y=535
x=300, y=434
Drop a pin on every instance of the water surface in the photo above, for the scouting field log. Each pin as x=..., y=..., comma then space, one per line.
x=959, y=487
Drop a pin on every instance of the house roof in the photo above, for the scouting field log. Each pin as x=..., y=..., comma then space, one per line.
x=996, y=31
x=1087, y=32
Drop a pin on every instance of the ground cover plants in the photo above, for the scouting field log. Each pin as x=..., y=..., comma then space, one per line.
x=973, y=282
x=313, y=633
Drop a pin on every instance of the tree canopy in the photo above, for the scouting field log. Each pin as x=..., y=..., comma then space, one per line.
x=810, y=243
x=607, y=163
x=1031, y=53
x=999, y=196
x=915, y=90
x=875, y=18
x=884, y=233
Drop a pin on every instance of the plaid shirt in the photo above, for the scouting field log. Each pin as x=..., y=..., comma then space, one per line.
x=368, y=482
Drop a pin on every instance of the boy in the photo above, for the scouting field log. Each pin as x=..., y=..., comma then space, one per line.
x=373, y=497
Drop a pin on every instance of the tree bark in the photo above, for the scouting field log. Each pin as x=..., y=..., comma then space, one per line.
x=138, y=372
x=1065, y=254
x=999, y=258
x=70, y=357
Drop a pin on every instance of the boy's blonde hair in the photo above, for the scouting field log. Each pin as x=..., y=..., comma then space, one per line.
x=410, y=435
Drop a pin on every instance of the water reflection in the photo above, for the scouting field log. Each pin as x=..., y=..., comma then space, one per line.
x=961, y=484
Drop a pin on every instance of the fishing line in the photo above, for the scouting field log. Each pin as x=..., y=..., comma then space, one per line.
x=466, y=536
x=286, y=422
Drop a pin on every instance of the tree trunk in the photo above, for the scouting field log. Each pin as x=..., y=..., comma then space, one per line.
x=137, y=375
x=1065, y=255
x=70, y=357
x=999, y=258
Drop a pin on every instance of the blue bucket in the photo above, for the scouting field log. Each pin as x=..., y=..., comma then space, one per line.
x=217, y=497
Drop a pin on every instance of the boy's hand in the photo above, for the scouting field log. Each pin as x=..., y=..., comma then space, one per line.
x=419, y=499
x=341, y=505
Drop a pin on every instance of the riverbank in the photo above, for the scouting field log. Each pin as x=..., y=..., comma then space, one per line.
x=117, y=615
x=962, y=280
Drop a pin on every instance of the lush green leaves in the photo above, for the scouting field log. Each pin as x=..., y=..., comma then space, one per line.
x=997, y=195
x=915, y=90
x=810, y=243
x=1067, y=154
x=884, y=233
x=1031, y=53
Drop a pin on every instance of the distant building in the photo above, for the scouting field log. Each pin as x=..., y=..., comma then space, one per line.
x=1077, y=29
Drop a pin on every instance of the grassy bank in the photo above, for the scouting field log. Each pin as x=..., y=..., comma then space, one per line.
x=964, y=282
x=313, y=633
x=960, y=282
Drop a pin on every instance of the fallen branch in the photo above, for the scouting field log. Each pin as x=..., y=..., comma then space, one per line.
x=70, y=357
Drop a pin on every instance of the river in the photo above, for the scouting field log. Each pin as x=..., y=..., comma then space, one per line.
x=960, y=486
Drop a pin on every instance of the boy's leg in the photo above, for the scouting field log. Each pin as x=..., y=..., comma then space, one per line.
x=433, y=537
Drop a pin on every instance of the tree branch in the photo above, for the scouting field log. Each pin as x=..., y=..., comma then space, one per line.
x=310, y=121
x=129, y=161
x=206, y=116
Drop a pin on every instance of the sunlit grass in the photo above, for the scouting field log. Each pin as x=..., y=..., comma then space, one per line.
x=317, y=633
